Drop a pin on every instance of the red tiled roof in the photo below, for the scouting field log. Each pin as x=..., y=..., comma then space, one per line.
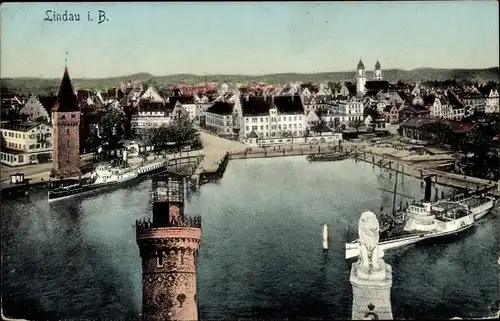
x=460, y=127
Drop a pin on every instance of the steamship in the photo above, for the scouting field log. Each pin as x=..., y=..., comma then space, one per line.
x=480, y=205
x=422, y=221
x=106, y=177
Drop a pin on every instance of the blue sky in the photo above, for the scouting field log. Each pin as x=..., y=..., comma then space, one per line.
x=247, y=38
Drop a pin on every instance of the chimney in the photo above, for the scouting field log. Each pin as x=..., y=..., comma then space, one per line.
x=428, y=188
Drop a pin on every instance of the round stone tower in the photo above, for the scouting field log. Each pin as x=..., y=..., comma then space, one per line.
x=360, y=78
x=169, y=248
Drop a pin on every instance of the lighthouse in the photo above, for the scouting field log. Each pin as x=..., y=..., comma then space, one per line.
x=168, y=246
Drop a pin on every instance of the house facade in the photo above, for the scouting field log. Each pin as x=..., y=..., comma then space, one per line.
x=34, y=110
x=26, y=143
x=278, y=116
x=219, y=117
x=492, y=102
x=150, y=115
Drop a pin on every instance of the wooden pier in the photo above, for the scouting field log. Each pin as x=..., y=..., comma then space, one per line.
x=420, y=171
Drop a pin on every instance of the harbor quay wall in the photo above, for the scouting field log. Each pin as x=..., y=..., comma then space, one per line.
x=281, y=152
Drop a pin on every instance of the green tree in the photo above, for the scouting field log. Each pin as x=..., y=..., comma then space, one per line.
x=356, y=124
x=112, y=126
x=181, y=132
x=93, y=142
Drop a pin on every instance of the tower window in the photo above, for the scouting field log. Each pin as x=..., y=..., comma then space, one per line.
x=67, y=142
x=67, y=131
x=73, y=116
x=159, y=260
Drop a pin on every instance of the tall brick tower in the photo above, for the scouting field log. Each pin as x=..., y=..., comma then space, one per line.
x=169, y=248
x=66, y=138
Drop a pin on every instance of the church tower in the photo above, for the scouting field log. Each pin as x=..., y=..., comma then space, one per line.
x=168, y=246
x=66, y=137
x=360, y=78
x=377, y=73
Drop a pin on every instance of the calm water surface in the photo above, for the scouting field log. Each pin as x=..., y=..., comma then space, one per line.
x=261, y=254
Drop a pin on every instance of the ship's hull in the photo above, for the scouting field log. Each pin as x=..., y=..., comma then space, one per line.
x=483, y=209
x=326, y=158
x=352, y=249
x=57, y=195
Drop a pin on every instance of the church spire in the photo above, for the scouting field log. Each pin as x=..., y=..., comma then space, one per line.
x=66, y=99
x=377, y=65
x=360, y=64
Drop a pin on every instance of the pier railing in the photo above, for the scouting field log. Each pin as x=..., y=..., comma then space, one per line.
x=183, y=221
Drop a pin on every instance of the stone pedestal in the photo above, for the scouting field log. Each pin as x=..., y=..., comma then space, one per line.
x=371, y=294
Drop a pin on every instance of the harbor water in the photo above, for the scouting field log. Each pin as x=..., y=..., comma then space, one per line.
x=261, y=255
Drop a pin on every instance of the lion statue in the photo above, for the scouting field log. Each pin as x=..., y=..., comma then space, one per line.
x=369, y=251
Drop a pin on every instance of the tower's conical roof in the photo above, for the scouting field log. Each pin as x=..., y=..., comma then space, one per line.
x=66, y=99
x=360, y=64
x=377, y=65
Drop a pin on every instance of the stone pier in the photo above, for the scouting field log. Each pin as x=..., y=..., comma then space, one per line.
x=371, y=277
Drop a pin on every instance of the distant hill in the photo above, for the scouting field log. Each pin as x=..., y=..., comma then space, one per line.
x=43, y=86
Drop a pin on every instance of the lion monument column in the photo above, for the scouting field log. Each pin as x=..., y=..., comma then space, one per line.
x=371, y=277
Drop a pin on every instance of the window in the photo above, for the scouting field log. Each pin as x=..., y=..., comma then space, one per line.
x=247, y=128
x=67, y=131
x=67, y=143
x=21, y=158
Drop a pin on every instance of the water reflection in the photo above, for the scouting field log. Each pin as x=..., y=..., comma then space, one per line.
x=260, y=256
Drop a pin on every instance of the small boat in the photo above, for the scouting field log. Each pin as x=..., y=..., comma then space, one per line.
x=328, y=157
x=423, y=221
x=104, y=177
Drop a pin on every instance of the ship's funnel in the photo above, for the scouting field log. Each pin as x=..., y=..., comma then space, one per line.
x=428, y=189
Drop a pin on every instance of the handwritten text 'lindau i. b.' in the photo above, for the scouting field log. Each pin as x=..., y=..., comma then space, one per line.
x=53, y=16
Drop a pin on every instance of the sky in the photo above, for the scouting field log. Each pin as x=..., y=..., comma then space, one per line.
x=248, y=38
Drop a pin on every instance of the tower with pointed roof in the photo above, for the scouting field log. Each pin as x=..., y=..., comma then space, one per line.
x=66, y=137
x=360, y=78
x=377, y=73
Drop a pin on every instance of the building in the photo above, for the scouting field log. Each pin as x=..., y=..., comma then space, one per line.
x=408, y=112
x=151, y=114
x=360, y=78
x=219, y=117
x=276, y=116
x=38, y=108
x=66, y=125
x=168, y=247
x=492, y=102
x=391, y=114
x=473, y=101
x=343, y=112
x=179, y=113
x=26, y=142
x=377, y=73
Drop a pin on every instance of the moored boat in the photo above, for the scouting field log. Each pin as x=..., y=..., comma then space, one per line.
x=327, y=157
x=423, y=221
x=105, y=177
x=480, y=205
